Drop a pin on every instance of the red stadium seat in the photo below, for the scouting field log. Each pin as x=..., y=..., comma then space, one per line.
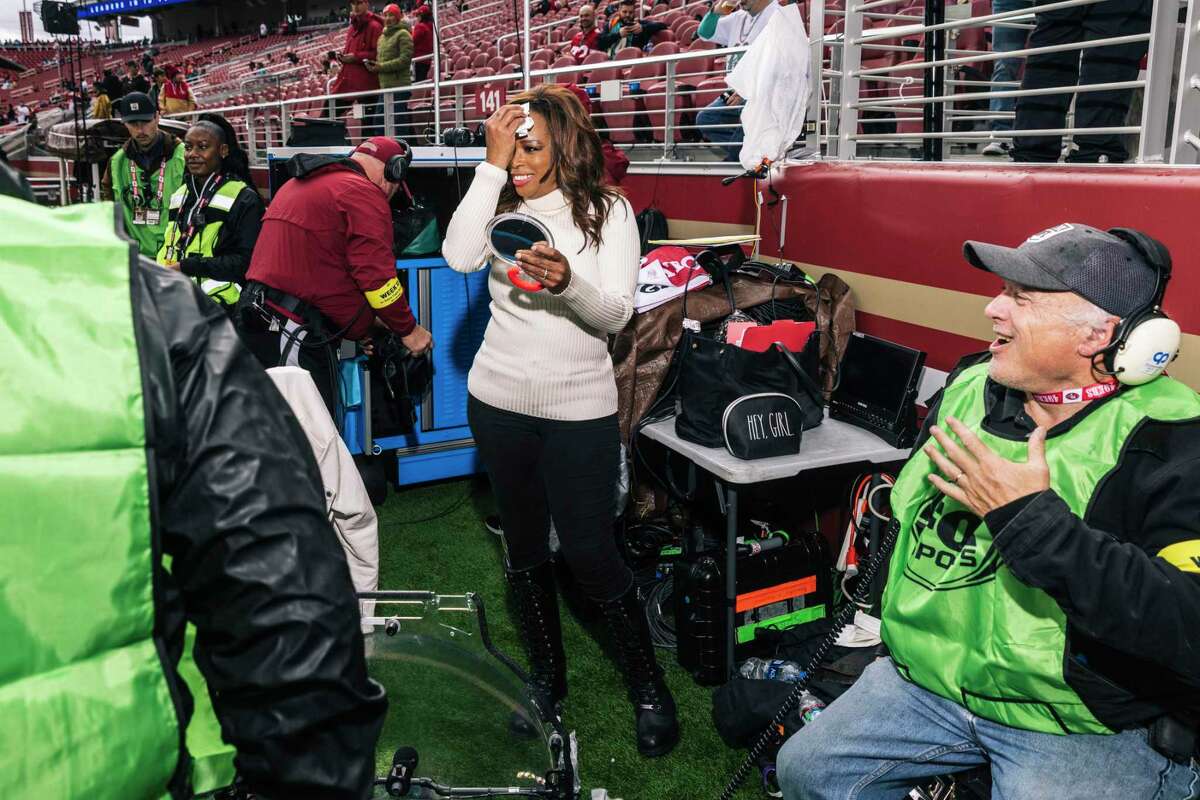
x=561, y=63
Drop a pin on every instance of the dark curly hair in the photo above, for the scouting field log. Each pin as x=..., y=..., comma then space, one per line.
x=577, y=161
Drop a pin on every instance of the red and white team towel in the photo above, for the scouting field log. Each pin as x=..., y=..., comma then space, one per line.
x=666, y=273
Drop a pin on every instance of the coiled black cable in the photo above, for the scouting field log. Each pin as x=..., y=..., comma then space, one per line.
x=842, y=618
x=659, y=613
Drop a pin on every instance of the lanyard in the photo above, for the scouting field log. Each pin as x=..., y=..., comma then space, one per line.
x=207, y=193
x=133, y=180
x=1079, y=394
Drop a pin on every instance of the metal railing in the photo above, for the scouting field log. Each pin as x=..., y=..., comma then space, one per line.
x=892, y=85
x=665, y=130
x=925, y=96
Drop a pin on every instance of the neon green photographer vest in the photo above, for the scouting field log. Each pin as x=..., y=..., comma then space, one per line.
x=958, y=623
x=86, y=703
x=203, y=242
x=86, y=708
x=148, y=237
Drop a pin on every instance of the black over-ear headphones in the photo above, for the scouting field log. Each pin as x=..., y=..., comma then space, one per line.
x=397, y=166
x=1146, y=341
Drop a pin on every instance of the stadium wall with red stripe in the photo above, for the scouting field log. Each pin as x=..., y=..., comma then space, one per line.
x=894, y=233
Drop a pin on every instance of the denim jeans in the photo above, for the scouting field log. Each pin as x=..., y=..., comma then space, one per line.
x=1005, y=69
x=717, y=113
x=886, y=735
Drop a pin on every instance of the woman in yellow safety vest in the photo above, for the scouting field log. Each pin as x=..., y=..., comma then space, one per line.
x=215, y=216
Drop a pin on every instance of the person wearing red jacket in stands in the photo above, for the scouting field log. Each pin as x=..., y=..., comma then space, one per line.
x=422, y=35
x=323, y=267
x=362, y=39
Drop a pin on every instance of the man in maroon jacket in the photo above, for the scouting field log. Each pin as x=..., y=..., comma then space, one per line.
x=323, y=267
x=362, y=39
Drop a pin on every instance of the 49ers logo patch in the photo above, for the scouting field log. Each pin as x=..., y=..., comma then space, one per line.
x=952, y=549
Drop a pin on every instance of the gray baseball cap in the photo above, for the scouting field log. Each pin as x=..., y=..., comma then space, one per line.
x=1099, y=266
x=136, y=107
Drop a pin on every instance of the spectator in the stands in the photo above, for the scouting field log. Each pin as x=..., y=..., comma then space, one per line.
x=10, y=116
x=1005, y=37
x=262, y=30
x=545, y=7
x=1114, y=63
x=422, y=35
x=292, y=57
x=133, y=81
x=23, y=113
x=626, y=30
x=148, y=62
x=362, y=42
x=112, y=85
x=101, y=105
x=394, y=66
x=160, y=77
x=721, y=122
x=588, y=38
x=175, y=96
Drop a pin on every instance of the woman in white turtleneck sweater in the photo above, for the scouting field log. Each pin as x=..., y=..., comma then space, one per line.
x=543, y=400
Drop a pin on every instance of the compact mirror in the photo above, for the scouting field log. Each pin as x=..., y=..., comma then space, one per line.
x=508, y=233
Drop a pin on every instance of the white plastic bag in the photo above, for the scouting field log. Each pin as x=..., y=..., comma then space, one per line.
x=774, y=78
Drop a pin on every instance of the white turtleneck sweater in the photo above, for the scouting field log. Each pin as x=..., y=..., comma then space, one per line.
x=546, y=355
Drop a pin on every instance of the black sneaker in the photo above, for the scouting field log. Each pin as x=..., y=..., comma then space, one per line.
x=492, y=523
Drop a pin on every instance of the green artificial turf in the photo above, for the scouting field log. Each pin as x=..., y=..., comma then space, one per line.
x=453, y=554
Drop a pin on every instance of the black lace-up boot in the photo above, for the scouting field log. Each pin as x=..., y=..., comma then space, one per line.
x=654, y=707
x=537, y=609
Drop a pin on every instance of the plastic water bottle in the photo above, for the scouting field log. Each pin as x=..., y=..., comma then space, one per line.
x=777, y=669
x=810, y=707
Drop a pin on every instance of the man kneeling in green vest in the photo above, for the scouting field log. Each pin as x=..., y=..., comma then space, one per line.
x=1044, y=592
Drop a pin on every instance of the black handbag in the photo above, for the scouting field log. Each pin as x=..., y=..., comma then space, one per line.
x=399, y=381
x=713, y=374
x=762, y=426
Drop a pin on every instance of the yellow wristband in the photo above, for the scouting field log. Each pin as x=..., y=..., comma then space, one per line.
x=385, y=295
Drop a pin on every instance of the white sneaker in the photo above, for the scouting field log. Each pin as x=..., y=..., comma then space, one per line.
x=995, y=149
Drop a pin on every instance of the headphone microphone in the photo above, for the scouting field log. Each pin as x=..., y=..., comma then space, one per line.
x=1146, y=341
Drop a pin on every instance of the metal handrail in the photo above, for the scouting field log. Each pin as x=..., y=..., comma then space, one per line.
x=842, y=90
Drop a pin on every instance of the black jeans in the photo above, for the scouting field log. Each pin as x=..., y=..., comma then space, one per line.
x=565, y=470
x=1109, y=64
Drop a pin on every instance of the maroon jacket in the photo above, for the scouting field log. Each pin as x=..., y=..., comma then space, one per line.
x=422, y=39
x=362, y=38
x=327, y=239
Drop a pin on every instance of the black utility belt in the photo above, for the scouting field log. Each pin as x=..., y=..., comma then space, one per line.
x=1174, y=739
x=254, y=299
